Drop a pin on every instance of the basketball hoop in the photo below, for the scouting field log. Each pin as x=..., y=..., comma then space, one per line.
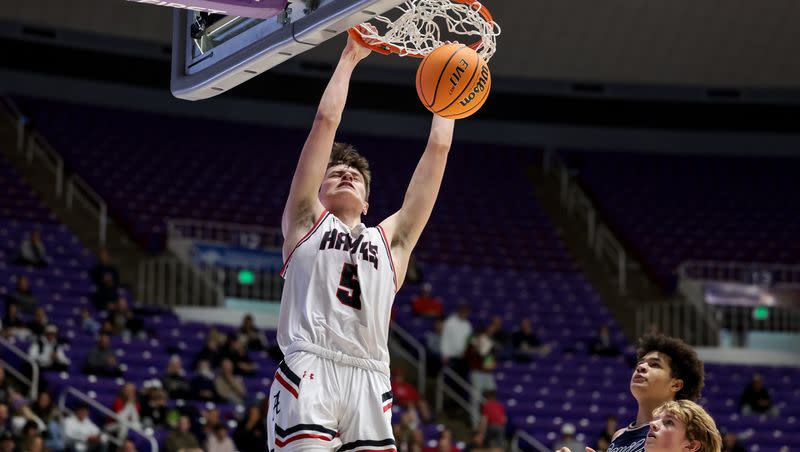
x=416, y=32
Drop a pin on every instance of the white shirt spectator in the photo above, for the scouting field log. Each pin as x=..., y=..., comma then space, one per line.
x=77, y=432
x=455, y=334
x=46, y=350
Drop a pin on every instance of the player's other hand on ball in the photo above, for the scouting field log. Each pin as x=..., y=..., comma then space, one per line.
x=355, y=51
x=564, y=449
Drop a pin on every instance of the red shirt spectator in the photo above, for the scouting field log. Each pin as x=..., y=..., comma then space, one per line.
x=404, y=394
x=494, y=412
x=426, y=304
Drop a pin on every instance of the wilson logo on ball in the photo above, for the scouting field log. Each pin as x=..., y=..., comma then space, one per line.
x=480, y=86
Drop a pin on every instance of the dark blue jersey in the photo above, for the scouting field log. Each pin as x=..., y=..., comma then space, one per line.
x=630, y=440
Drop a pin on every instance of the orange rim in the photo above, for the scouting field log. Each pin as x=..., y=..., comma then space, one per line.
x=386, y=49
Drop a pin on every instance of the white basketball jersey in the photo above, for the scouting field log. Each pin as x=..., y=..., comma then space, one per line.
x=339, y=289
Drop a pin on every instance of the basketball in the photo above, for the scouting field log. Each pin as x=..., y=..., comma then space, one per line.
x=453, y=81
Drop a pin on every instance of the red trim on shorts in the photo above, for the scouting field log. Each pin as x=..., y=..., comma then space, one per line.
x=389, y=252
x=387, y=407
x=305, y=237
x=286, y=385
x=280, y=443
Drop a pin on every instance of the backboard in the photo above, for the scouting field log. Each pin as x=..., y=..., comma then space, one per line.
x=213, y=51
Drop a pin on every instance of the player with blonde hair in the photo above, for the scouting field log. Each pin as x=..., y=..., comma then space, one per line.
x=682, y=425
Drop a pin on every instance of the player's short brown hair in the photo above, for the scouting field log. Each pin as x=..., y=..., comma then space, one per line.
x=700, y=426
x=683, y=361
x=346, y=154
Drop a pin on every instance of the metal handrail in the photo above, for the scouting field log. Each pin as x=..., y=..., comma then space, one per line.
x=607, y=245
x=46, y=151
x=575, y=201
x=90, y=199
x=523, y=435
x=34, y=380
x=154, y=287
x=217, y=231
x=733, y=271
x=421, y=359
x=95, y=404
x=14, y=113
x=443, y=389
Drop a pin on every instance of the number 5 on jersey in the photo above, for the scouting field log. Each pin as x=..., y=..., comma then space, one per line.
x=349, y=291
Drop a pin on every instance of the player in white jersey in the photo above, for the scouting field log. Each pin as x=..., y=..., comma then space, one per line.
x=332, y=391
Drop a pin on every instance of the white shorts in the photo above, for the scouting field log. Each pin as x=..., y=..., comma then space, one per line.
x=319, y=404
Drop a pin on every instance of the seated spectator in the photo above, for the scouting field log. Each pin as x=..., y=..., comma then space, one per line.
x=12, y=321
x=253, y=339
x=236, y=352
x=122, y=318
x=501, y=337
x=81, y=434
x=219, y=441
x=128, y=410
x=7, y=442
x=48, y=352
x=408, y=436
x=88, y=324
x=8, y=390
x=101, y=359
x=154, y=403
x=5, y=418
x=128, y=446
x=730, y=443
x=181, y=439
x=31, y=438
x=425, y=304
x=48, y=417
x=105, y=278
x=228, y=386
x=211, y=352
x=607, y=434
x=602, y=344
x=525, y=343
x=456, y=332
x=755, y=398
x=568, y=439
x=175, y=382
x=22, y=297
x=250, y=434
x=38, y=323
x=492, y=427
x=209, y=419
x=32, y=250
x=407, y=397
x=445, y=442
x=433, y=348
x=202, y=383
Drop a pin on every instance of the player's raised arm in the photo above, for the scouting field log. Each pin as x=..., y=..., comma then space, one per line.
x=302, y=205
x=405, y=226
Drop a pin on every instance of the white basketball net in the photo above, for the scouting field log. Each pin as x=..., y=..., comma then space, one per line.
x=416, y=31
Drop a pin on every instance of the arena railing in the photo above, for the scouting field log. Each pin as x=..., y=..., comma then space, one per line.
x=78, y=189
x=248, y=236
x=576, y=203
x=757, y=273
x=697, y=324
x=33, y=145
x=33, y=382
x=450, y=384
x=522, y=436
x=171, y=282
x=419, y=362
x=85, y=398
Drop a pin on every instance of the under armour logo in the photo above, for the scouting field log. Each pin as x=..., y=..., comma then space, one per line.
x=277, y=402
x=309, y=374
